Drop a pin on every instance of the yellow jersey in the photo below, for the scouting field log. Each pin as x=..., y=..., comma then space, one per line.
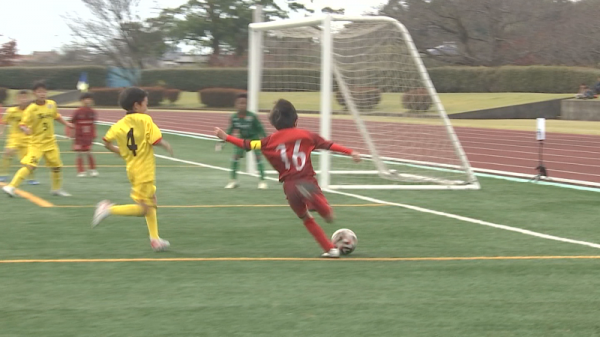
x=135, y=135
x=40, y=121
x=12, y=117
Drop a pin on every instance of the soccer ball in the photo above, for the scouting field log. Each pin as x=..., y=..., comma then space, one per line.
x=345, y=240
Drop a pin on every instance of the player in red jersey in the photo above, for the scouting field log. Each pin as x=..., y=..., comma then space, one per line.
x=85, y=132
x=288, y=150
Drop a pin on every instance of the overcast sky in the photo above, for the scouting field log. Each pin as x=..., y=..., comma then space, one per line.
x=50, y=30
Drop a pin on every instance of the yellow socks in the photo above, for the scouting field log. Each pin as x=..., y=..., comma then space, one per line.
x=127, y=210
x=19, y=177
x=137, y=210
x=56, y=177
x=152, y=223
x=22, y=154
x=5, y=165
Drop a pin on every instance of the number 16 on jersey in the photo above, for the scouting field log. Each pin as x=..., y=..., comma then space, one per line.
x=298, y=158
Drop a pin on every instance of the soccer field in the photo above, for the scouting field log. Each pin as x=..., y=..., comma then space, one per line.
x=513, y=259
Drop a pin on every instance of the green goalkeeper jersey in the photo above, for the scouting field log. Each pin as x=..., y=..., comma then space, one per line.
x=249, y=126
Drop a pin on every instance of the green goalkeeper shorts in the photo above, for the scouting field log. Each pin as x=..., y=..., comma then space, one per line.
x=238, y=152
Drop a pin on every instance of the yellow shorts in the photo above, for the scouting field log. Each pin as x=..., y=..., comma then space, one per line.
x=16, y=142
x=17, y=145
x=35, y=154
x=144, y=193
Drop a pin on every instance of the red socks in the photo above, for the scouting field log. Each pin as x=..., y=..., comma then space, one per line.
x=92, y=162
x=80, y=168
x=317, y=232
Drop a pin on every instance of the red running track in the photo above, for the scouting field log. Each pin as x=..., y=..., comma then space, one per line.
x=567, y=156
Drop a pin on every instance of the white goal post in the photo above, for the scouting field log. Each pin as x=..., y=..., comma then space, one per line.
x=359, y=81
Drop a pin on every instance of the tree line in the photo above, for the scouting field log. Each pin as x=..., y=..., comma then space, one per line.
x=503, y=32
x=446, y=32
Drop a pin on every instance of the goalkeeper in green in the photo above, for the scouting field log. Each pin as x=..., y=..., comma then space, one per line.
x=249, y=127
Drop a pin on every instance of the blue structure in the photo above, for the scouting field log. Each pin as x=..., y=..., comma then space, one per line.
x=121, y=77
x=83, y=84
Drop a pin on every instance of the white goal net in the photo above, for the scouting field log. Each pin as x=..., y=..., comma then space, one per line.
x=359, y=81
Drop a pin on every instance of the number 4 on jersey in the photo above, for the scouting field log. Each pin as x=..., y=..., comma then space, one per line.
x=298, y=157
x=131, y=142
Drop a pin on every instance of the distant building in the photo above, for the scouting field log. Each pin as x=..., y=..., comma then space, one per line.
x=38, y=58
x=177, y=59
x=449, y=48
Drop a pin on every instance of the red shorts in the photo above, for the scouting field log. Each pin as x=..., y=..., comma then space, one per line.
x=304, y=193
x=83, y=145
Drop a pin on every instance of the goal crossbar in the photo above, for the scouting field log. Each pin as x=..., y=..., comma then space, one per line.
x=315, y=20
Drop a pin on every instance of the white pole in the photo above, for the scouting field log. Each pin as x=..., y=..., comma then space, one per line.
x=458, y=149
x=326, y=92
x=254, y=77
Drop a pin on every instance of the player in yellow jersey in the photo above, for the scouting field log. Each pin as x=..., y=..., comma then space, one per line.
x=136, y=134
x=17, y=141
x=38, y=122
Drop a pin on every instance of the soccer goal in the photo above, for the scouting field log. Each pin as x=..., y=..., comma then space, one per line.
x=359, y=81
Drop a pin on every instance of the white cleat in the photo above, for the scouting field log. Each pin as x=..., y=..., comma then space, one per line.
x=60, y=193
x=332, y=253
x=232, y=184
x=94, y=173
x=263, y=185
x=159, y=245
x=10, y=191
x=81, y=175
x=102, y=212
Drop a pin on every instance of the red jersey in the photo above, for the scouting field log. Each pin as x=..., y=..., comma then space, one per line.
x=289, y=152
x=83, y=119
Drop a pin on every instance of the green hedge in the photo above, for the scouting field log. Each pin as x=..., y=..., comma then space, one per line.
x=155, y=95
x=196, y=79
x=106, y=96
x=172, y=95
x=56, y=78
x=219, y=97
x=364, y=98
x=110, y=96
x=416, y=100
x=3, y=95
x=542, y=79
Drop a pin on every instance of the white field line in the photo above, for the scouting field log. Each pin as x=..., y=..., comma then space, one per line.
x=471, y=220
x=498, y=173
x=410, y=207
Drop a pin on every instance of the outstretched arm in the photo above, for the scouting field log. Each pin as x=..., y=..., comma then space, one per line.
x=219, y=145
x=243, y=143
x=323, y=144
x=165, y=145
x=64, y=122
x=342, y=149
x=111, y=147
x=25, y=122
